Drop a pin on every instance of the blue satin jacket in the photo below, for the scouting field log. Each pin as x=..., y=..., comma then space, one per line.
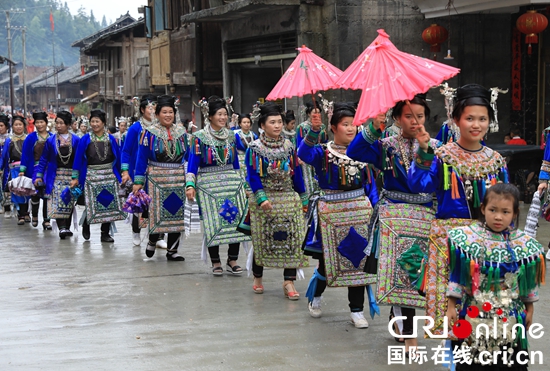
x=80, y=166
x=47, y=166
x=27, y=154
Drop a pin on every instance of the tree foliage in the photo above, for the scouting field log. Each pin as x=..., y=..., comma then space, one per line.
x=67, y=29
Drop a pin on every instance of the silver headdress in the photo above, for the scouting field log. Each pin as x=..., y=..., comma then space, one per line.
x=328, y=107
x=203, y=105
x=255, y=115
x=493, y=125
x=450, y=94
x=134, y=102
x=177, y=103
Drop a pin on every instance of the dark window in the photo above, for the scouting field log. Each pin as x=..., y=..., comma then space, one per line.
x=266, y=45
x=148, y=22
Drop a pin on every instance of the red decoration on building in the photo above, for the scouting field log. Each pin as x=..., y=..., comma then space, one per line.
x=516, y=70
x=531, y=24
x=435, y=35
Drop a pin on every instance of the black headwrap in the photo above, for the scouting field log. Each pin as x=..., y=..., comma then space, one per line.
x=18, y=118
x=66, y=117
x=472, y=91
x=40, y=116
x=216, y=103
x=146, y=99
x=99, y=114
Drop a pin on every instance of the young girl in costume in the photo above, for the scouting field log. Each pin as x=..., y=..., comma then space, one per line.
x=32, y=150
x=243, y=137
x=460, y=173
x=348, y=189
x=276, y=219
x=495, y=274
x=393, y=156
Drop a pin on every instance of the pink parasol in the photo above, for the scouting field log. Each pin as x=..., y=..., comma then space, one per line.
x=387, y=75
x=308, y=74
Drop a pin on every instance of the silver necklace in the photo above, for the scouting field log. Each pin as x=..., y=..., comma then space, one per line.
x=64, y=159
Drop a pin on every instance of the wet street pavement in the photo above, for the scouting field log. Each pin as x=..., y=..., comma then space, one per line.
x=75, y=305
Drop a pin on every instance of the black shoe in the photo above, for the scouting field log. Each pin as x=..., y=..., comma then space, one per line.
x=47, y=226
x=150, y=249
x=62, y=234
x=105, y=237
x=174, y=257
x=68, y=233
x=86, y=231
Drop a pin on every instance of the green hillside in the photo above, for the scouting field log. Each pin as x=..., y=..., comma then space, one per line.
x=36, y=17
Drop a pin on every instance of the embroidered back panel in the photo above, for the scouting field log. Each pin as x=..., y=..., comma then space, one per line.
x=166, y=213
x=277, y=235
x=213, y=189
x=57, y=208
x=402, y=227
x=101, y=192
x=336, y=219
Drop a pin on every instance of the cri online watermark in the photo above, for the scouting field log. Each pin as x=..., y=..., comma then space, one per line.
x=462, y=329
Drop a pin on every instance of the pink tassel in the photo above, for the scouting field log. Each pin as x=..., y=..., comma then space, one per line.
x=475, y=278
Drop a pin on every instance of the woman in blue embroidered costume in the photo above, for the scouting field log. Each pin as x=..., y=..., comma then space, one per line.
x=345, y=184
x=134, y=135
x=161, y=157
x=289, y=129
x=393, y=156
x=213, y=175
x=55, y=169
x=97, y=169
x=313, y=113
x=11, y=162
x=5, y=200
x=277, y=217
x=32, y=150
x=495, y=271
x=459, y=173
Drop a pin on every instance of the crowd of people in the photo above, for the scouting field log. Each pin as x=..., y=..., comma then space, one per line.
x=440, y=233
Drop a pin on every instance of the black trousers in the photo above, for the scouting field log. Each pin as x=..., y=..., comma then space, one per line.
x=23, y=210
x=173, y=240
x=64, y=223
x=408, y=322
x=356, y=295
x=289, y=274
x=105, y=227
x=135, y=222
x=232, y=252
x=35, y=203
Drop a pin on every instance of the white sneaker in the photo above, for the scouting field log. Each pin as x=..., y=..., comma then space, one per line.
x=161, y=244
x=7, y=215
x=359, y=320
x=1, y=210
x=548, y=255
x=315, y=307
x=136, y=239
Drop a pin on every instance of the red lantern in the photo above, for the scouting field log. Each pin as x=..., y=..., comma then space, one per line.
x=531, y=24
x=435, y=36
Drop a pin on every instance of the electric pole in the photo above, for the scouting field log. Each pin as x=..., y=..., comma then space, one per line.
x=23, y=39
x=8, y=26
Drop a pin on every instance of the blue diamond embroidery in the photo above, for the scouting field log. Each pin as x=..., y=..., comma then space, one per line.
x=228, y=211
x=172, y=203
x=105, y=198
x=352, y=247
x=280, y=236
